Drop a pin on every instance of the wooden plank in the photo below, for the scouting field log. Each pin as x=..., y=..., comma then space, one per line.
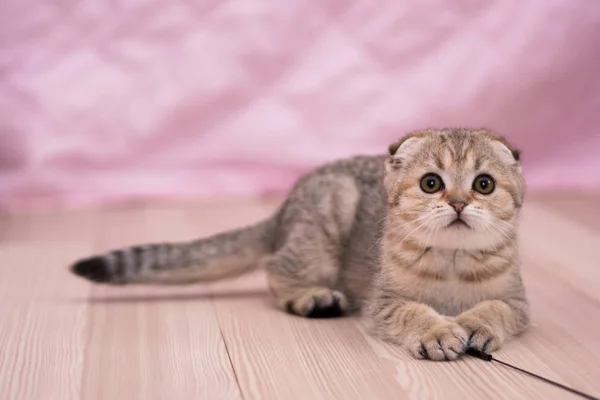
x=562, y=247
x=464, y=379
x=278, y=356
x=56, y=226
x=42, y=321
x=153, y=342
x=167, y=342
x=582, y=208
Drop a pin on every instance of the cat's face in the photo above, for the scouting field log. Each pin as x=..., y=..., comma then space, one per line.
x=455, y=189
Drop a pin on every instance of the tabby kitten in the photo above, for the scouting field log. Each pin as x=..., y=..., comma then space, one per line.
x=423, y=242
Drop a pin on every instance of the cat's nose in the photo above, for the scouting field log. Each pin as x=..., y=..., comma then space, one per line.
x=458, y=205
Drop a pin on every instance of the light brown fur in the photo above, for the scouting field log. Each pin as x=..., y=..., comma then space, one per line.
x=362, y=235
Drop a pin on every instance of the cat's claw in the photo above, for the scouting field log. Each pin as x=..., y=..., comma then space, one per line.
x=444, y=341
x=481, y=336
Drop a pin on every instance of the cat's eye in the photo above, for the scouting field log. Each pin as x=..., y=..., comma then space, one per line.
x=431, y=183
x=484, y=184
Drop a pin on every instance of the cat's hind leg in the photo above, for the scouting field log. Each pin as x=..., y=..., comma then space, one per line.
x=306, y=296
x=304, y=272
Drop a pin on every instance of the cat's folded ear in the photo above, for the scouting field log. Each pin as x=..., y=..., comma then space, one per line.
x=509, y=153
x=399, y=152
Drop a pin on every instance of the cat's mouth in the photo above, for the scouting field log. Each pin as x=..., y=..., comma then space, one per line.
x=458, y=223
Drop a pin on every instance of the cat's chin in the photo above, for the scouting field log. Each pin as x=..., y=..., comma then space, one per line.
x=460, y=236
x=458, y=224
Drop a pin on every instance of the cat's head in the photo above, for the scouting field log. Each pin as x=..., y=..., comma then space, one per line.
x=455, y=188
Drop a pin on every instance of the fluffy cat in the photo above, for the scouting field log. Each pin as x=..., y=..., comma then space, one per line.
x=423, y=242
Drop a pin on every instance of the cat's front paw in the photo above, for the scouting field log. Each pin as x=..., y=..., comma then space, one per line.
x=482, y=336
x=442, y=341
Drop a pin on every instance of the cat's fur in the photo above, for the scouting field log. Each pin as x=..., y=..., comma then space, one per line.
x=361, y=234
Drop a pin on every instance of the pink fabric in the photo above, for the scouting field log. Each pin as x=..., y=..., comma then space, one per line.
x=117, y=100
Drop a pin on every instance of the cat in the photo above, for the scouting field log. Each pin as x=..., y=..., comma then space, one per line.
x=422, y=242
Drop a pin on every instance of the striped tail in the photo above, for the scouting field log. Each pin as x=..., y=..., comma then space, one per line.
x=221, y=256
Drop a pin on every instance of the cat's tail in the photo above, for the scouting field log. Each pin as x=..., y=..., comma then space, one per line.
x=220, y=256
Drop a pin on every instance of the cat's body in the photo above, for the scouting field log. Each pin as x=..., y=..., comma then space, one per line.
x=365, y=234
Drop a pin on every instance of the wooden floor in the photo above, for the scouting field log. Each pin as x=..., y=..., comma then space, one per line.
x=62, y=338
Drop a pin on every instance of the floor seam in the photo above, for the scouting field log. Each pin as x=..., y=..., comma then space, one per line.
x=235, y=375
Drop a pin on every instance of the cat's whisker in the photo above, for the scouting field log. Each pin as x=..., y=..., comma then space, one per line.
x=505, y=228
x=417, y=228
x=491, y=233
x=503, y=232
x=397, y=229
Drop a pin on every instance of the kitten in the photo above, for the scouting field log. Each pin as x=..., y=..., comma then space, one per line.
x=423, y=242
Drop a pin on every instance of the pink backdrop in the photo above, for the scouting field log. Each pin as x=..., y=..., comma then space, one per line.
x=114, y=100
